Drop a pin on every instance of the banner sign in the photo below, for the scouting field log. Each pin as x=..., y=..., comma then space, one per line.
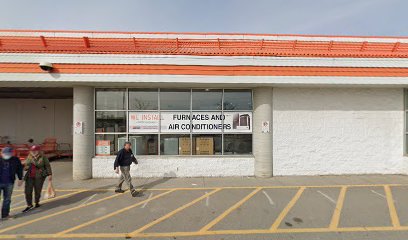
x=197, y=122
x=143, y=122
x=240, y=122
x=175, y=122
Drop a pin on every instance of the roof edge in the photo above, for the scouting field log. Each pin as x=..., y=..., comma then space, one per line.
x=124, y=34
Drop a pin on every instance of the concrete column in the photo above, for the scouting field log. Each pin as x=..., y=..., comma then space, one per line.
x=83, y=143
x=262, y=142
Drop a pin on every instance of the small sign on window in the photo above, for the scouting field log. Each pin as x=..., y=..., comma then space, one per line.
x=102, y=148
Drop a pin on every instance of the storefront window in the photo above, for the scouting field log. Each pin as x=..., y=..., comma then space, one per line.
x=175, y=144
x=207, y=144
x=110, y=121
x=237, y=144
x=207, y=99
x=109, y=144
x=143, y=99
x=175, y=99
x=144, y=144
x=237, y=100
x=174, y=121
x=110, y=99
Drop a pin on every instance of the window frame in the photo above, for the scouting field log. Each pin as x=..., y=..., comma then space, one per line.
x=190, y=111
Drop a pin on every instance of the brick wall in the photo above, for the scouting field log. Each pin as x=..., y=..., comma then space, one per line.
x=179, y=166
x=338, y=131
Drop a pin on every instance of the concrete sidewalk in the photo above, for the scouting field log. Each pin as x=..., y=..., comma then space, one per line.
x=63, y=179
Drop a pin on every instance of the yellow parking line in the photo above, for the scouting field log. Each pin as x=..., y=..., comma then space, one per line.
x=168, y=215
x=208, y=233
x=228, y=211
x=391, y=207
x=52, y=236
x=58, y=213
x=247, y=187
x=18, y=195
x=111, y=214
x=286, y=210
x=339, y=207
x=52, y=199
x=203, y=233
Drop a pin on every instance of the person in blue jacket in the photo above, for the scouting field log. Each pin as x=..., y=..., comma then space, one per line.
x=10, y=167
x=123, y=161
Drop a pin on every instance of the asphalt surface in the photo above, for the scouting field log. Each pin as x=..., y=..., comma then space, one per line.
x=338, y=207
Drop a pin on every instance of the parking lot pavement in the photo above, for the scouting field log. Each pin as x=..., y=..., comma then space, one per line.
x=339, y=211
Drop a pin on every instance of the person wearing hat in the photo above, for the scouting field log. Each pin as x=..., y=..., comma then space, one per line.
x=38, y=169
x=10, y=167
x=123, y=161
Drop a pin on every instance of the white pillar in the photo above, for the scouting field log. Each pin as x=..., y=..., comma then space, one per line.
x=83, y=143
x=262, y=142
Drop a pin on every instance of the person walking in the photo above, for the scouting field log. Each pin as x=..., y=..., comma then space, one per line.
x=38, y=169
x=10, y=167
x=123, y=161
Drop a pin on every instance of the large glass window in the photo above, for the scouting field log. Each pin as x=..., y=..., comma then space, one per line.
x=207, y=144
x=173, y=144
x=175, y=99
x=110, y=121
x=109, y=144
x=110, y=99
x=207, y=99
x=237, y=144
x=144, y=144
x=174, y=121
x=143, y=99
x=237, y=100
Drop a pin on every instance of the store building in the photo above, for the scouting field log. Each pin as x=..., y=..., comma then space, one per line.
x=197, y=104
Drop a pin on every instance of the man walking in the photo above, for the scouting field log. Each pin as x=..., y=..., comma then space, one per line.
x=123, y=161
x=10, y=166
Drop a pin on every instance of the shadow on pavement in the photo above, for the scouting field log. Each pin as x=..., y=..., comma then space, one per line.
x=81, y=197
x=146, y=186
x=76, y=198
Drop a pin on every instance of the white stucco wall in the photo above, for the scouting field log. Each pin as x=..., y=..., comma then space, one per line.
x=320, y=131
x=179, y=166
x=26, y=118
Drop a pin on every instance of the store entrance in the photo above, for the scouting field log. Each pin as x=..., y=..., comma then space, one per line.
x=37, y=116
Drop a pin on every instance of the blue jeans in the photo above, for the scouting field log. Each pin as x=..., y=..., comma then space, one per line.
x=7, y=190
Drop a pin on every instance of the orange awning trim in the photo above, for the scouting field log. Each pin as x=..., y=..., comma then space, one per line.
x=206, y=70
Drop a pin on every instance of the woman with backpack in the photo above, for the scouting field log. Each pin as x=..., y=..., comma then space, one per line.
x=38, y=169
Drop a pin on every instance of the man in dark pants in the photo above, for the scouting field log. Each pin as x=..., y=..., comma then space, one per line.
x=10, y=166
x=123, y=161
x=38, y=168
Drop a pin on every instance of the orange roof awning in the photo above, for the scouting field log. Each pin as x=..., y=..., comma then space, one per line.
x=202, y=47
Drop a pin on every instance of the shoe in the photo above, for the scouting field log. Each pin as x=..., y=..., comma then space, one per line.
x=28, y=208
x=133, y=192
x=37, y=205
x=119, y=191
x=7, y=217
